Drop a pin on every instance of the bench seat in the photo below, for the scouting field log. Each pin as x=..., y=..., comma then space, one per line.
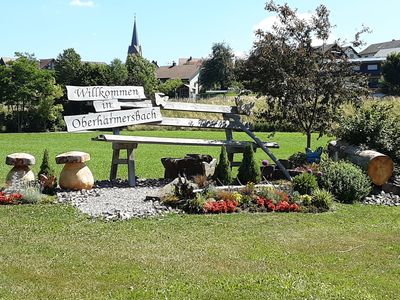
x=176, y=141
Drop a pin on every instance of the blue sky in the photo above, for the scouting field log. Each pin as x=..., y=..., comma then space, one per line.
x=101, y=30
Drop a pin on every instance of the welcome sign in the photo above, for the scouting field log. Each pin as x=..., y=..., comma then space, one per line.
x=113, y=119
x=93, y=93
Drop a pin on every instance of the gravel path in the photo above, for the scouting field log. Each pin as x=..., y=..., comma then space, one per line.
x=117, y=201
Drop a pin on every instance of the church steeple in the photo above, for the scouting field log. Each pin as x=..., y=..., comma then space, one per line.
x=135, y=48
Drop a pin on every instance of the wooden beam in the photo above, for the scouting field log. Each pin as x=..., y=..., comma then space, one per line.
x=173, y=141
x=201, y=123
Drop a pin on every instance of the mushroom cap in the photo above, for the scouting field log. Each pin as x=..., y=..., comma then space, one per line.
x=20, y=159
x=72, y=157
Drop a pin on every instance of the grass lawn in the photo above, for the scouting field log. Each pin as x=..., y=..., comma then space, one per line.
x=54, y=252
x=148, y=157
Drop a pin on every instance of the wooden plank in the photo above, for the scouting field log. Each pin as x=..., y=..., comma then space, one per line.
x=106, y=105
x=201, y=123
x=92, y=93
x=112, y=119
x=135, y=104
x=196, y=107
x=171, y=141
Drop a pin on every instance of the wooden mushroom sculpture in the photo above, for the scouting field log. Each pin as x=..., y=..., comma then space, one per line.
x=21, y=170
x=75, y=175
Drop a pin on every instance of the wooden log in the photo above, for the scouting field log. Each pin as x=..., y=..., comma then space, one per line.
x=378, y=166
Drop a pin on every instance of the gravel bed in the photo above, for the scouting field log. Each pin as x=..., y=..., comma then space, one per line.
x=115, y=200
x=383, y=198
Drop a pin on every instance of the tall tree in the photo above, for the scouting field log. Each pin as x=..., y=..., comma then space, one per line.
x=217, y=71
x=141, y=72
x=307, y=85
x=391, y=74
x=67, y=66
x=118, y=73
x=29, y=93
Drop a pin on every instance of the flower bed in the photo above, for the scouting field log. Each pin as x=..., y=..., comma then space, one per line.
x=250, y=198
x=7, y=199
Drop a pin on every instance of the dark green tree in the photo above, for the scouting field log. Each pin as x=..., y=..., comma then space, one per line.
x=249, y=169
x=223, y=172
x=217, y=71
x=118, y=73
x=46, y=175
x=391, y=74
x=29, y=94
x=93, y=74
x=304, y=85
x=67, y=66
x=169, y=87
x=45, y=168
x=141, y=72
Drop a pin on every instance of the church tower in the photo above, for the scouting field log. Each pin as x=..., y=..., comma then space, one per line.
x=135, y=48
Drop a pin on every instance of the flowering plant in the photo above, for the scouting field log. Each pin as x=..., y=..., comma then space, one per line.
x=220, y=206
x=13, y=198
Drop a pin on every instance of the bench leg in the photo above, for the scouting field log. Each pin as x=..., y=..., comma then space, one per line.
x=131, y=167
x=230, y=158
x=114, y=164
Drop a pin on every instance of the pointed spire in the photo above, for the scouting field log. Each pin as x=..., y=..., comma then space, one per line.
x=135, y=48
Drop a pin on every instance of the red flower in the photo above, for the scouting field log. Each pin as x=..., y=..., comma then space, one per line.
x=294, y=207
x=271, y=206
x=261, y=201
x=221, y=206
x=283, y=206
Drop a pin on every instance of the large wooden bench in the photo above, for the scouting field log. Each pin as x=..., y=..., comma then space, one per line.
x=108, y=101
x=230, y=122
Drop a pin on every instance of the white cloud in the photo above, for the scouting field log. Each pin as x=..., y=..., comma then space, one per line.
x=80, y=3
x=240, y=54
x=267, y=24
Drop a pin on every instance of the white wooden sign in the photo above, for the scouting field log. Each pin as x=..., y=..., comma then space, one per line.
x=93, y=93
x=107, y=105
x=112, y=119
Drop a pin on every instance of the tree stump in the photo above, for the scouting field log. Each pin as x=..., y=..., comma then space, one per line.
x=378, y=166
x=191, y=165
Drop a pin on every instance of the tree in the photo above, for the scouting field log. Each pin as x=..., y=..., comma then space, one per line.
x=67, y=66
x=93, y=74
x=249, y=170
x=118, y=73
x=217, y=72
x=391, y=74
x=223, y=172
x=141, y=72
x=29, y=93
x=169, y=87
x=305, y=85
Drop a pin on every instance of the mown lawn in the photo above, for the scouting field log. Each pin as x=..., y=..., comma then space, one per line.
x=53, y=252
x=148, y=157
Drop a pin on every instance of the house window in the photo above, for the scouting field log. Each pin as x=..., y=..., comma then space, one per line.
x=372, y=67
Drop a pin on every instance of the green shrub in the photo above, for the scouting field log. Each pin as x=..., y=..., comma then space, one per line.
x=322, y=199
x=46, y=175
x=223, y=172
x=375, y=127
x=45, y=168
x=345, y=181
x=298, y=159
x=305, y=183
x=196, y=204
x=249, y=170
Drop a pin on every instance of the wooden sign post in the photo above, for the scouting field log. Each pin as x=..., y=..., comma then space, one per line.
x=108, y=108
x=113, y=119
